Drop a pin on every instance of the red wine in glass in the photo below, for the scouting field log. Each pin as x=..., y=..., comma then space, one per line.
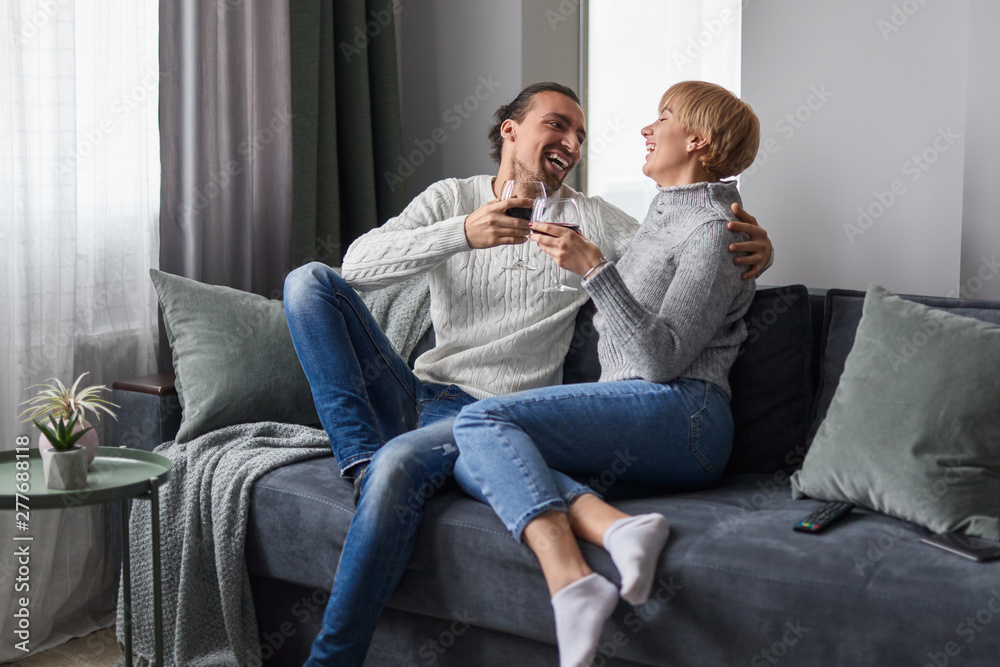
x=534, y=190
x=565, y=213
x=573, y=226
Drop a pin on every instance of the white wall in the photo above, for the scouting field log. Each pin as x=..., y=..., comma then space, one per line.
x=863, y=110
x=447, y=49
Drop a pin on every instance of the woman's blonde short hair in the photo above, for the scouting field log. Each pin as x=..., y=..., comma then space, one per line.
x=714, y=113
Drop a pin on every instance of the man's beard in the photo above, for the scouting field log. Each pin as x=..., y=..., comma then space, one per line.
x=522, y=172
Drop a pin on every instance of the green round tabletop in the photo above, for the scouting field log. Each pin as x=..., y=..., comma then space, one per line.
x=115, y=473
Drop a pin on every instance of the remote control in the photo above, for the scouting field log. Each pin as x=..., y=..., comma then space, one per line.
x=823, y=517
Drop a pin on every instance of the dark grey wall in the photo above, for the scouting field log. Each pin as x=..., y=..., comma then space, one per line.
x=459, y=61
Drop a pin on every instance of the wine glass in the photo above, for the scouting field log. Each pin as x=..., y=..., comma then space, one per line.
x=534, y=190
x=565, y=213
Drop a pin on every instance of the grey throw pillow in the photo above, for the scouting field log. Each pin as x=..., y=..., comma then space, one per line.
x=233, y=357
x=913, y=429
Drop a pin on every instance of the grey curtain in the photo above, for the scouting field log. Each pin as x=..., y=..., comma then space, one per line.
x=278, y=124
x=225, y=141
x=346, y=123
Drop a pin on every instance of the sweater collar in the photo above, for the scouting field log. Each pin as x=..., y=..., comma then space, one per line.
x=486, y=188
x=697, y=194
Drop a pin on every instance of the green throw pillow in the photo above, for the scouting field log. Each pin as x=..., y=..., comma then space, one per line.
x=914, y=426
x=233, y=357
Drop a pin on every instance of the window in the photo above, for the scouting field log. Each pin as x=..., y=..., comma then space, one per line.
x=636, y=50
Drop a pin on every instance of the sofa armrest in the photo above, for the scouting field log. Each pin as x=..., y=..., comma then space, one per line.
x=149, y=412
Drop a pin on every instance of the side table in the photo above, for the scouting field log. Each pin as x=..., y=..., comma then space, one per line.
x=116, y=473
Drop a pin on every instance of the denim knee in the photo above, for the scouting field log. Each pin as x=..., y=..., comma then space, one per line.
x=481, y=410
x=309, y=277
x=411, y=468
x=390, y=483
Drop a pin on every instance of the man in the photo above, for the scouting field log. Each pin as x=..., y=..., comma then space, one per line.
x=496, y=332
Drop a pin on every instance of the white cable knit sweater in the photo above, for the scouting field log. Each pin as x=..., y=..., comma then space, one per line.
x=496, y=331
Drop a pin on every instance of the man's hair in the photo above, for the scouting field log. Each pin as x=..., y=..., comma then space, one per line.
x=716, y=114
x=517, y=109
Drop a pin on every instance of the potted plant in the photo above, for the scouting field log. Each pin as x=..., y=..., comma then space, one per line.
x=68, y=406
x=65, y=462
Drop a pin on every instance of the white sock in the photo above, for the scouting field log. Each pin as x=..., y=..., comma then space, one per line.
x=635, y=544
x=581, y=610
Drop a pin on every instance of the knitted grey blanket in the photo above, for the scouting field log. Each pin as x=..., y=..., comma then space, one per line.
x=208, y=614
x=403, y=311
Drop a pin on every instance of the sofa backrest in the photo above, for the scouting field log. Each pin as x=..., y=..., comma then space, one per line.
x=772, y=382
x=783, y=379
x=842, y=313
x=582, y=363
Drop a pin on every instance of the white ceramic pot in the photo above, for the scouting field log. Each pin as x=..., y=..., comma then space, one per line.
x=66, y=469
x=87, y=442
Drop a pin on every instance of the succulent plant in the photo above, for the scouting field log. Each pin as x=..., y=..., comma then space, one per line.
x=61, y=434
x=65, y=404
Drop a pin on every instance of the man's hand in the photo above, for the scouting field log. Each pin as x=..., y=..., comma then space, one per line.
x=570, y=250
x=490, y=226
x=758, y=248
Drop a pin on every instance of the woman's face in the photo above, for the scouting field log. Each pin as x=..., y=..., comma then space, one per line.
x=666, y=148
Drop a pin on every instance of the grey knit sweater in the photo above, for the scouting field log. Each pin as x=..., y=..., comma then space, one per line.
x=673, y=305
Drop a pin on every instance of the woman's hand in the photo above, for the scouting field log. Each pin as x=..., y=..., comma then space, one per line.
x=570, y=250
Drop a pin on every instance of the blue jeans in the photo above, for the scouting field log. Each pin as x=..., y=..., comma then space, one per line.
x=401, y=477
x=676, y=436
x=365, y=394
x=375, y=410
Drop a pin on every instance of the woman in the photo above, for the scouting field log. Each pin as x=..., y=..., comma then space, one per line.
x=670, y=317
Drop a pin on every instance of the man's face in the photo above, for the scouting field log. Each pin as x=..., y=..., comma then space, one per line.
x=545, y=145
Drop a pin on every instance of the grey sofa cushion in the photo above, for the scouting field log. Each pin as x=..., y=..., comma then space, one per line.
x=733, y=579
x=772, y=382
x=233, y=357
x=582, y=363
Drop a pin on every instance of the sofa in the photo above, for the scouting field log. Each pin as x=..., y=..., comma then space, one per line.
x=735, y=585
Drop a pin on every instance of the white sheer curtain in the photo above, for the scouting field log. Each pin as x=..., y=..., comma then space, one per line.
x=79, y=200
x=636, y=50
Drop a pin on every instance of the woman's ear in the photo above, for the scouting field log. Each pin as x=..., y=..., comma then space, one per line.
x=696, y=143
